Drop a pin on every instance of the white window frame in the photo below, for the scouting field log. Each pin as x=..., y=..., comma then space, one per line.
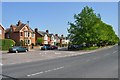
x=33, y=35
x=45, y=37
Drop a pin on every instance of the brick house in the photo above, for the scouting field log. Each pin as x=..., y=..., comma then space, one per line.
x=64, y=41
x=44, y=35
x=2, y=32
x=58, y=40
x=52, y=39
x=21, y=33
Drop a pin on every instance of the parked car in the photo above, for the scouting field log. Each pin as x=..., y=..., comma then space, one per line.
x=46, y=47
x=74, y=47
x=54, y=47
x=17, y=49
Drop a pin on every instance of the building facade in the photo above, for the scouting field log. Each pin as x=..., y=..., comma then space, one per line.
x=2, y=32
x=44, y=35
x=21, y=33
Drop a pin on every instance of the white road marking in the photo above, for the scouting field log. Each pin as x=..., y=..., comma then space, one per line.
x=1, y=64
x=66, y=55
x=87, y=60
x=71, y=52
x=57, y=53
x=115, y=52
x=106, y=54
x=35, y=74
x=45, y=71
x=45, y=53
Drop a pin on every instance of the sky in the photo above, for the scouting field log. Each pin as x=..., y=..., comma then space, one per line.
x=54, y=16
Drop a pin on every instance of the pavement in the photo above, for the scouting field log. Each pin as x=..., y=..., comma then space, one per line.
x=102, y=63
x=37, y=55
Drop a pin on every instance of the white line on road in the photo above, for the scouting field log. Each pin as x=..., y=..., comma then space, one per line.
x=57, y=53
x=41, y=72
x=115, y=52
x=1, y=64
x=35, y=74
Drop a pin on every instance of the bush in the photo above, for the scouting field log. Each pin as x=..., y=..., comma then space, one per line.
x=39, y=41
x=6, y=43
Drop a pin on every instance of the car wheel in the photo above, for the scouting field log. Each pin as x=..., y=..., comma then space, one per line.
x=26, y=50
x=16, y=51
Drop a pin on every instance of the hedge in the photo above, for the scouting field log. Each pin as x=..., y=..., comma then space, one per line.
x=5, y=44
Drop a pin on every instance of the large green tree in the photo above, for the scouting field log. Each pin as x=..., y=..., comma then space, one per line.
x=89, y=29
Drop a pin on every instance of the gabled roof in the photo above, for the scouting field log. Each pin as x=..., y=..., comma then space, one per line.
x=2, y=26
x=43, y=33
x=17, y=28
x=57, y=37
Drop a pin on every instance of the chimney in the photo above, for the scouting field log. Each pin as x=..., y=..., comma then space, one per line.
x=47, y=31
x=19, y=23
x=56, y=34
x=36, y=29
x=62, y=35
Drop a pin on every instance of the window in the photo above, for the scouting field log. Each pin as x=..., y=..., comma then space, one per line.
x=28, y=34
x=8, y=36
x=33, y=35
x=0, y=31
x=27, y=42
x=45, y=37
x=21, y=34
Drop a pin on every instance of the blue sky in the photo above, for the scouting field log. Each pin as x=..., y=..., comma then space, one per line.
x=55, y=16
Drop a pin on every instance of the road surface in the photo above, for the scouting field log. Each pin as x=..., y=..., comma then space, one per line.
x=100, y=64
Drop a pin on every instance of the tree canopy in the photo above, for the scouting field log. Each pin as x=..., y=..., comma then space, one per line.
x=88, y=28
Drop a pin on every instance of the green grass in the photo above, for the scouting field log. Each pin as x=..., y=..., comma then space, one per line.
x=90, y=48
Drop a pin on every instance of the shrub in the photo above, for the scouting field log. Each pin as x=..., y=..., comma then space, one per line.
x=39, y=41
x=6, y=43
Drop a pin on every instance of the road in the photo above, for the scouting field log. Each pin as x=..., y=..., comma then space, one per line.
x=100, y=64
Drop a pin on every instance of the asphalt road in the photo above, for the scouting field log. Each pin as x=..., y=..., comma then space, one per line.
x=100, y=64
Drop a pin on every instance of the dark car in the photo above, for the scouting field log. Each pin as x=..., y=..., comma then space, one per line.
x=18, y=49
x=54, y=47
x=74, y=47
x=46, y=47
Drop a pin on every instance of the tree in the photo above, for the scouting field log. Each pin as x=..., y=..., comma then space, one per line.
x=39, y=41
x=89, y=29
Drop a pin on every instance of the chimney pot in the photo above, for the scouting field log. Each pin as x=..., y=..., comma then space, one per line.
x=56, y=34
x=47, y=31
x=36, y=29
x=19, y=23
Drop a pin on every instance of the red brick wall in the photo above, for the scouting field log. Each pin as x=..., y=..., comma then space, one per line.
x=37, y=35
x=15, y=36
